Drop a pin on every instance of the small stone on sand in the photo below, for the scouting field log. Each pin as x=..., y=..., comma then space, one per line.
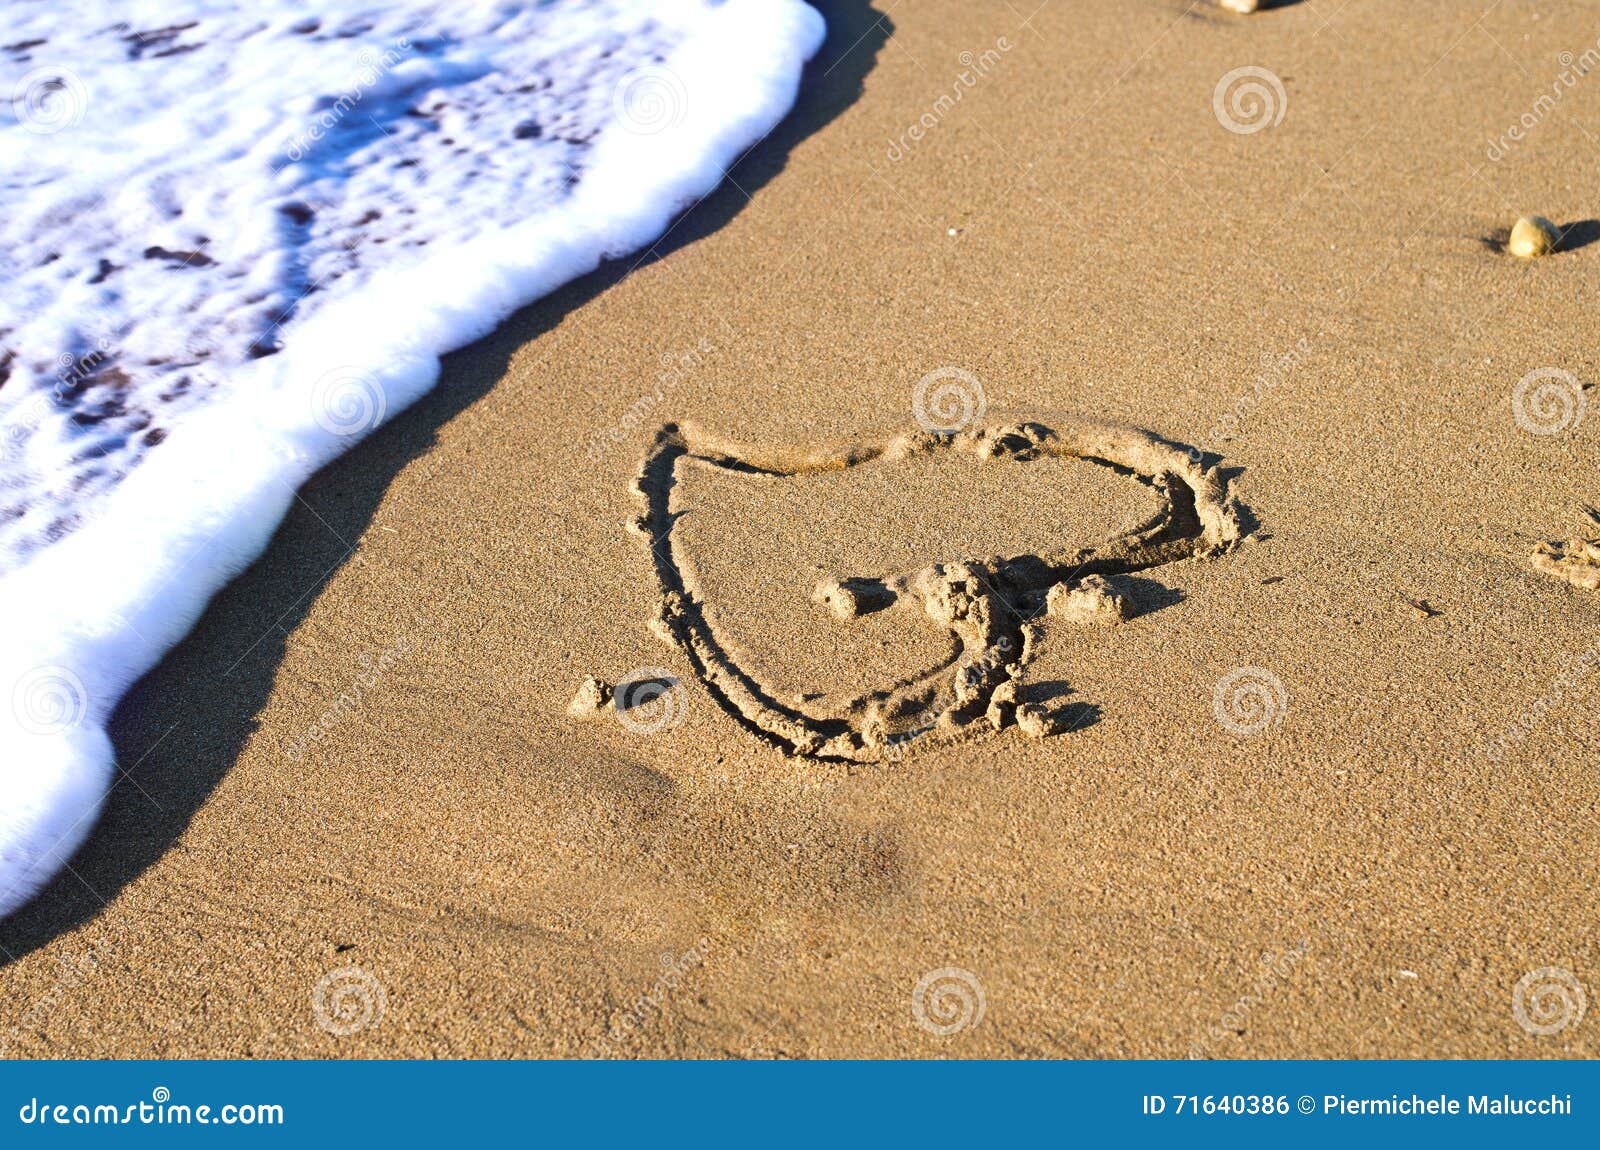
x=1244, y=6
x=1038, y=723
x=593, y=694
x=847, y=598
x=1090, y=602
x=1533, y=236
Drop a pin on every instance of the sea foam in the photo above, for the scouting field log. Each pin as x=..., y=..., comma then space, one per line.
x=235, y=238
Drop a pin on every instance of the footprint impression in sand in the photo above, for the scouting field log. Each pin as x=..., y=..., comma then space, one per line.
x=979, y=620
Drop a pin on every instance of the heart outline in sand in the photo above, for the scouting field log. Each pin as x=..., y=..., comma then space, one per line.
x=991, y=606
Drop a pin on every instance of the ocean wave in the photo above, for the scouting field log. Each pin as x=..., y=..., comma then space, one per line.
x=238, y=238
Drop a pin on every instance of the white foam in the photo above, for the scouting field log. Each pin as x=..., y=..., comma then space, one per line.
x=149, y=448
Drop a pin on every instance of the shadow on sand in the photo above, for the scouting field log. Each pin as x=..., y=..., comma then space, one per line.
x=182, y=727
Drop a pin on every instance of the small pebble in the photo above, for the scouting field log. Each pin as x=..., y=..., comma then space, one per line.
x=1422, y=607
x=847, y=598
x=593, y=694
x=1532, y=236
x=1244, y=6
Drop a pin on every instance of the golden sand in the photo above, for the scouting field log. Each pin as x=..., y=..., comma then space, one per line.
x=1290, y=814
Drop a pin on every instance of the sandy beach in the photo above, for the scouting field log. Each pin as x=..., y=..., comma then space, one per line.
x=1329, y=791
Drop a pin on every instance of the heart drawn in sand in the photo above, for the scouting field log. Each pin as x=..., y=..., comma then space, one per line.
x=993, y=609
